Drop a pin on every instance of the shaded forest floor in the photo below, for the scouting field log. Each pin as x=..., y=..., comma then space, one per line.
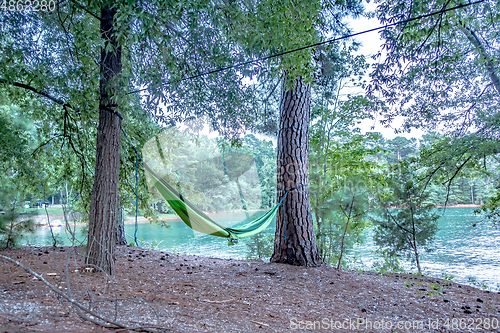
x=183, y=293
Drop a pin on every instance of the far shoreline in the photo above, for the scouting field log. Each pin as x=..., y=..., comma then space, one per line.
x=40, y=220
x=450, y=206
x=131, y=219
x=460, y=206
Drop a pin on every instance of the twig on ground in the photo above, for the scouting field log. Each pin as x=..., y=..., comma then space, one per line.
x=258, y=322
x=209, y=301
x=105, y=321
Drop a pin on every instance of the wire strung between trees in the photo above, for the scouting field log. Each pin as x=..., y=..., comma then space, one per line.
x=318, y=44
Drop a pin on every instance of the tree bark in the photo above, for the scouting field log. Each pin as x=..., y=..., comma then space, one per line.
x=104, y=202
x=120, y=226
x=295, y=242
x=319, y=232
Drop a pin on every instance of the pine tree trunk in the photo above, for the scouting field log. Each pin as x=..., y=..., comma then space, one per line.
x=417, y=260
x=319, y=233
x=472, y=194
x=120, y=225
x=104, y=202
x=295, y=242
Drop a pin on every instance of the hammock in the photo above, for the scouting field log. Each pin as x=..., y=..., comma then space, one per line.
x=199, y=221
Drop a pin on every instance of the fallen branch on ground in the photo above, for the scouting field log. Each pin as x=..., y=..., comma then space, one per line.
x=224, y=301
x=108, y=323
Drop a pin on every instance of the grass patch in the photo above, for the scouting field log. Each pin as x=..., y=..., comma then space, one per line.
x=51, y=210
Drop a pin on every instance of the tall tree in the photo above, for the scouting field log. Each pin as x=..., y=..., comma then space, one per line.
x=296, y=242
x=441, y=71
x=104, y=203
x=79, y=58
x=269, y=27
x=340, y=173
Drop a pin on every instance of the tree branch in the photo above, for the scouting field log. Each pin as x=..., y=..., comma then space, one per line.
x=473, y=106
x=44, y=144
x=60, y=293
x=86, y=10
x=453, y=177
x=397, y=224
x=490, y=66
x=36, y=91
x=79, y=307
x=432, y=30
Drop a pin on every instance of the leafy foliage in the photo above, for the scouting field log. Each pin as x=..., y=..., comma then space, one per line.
x=441, y=72
x=341, y=173
x=407, y=224
x=431, y=70
x=15, y=172
x=259, y=246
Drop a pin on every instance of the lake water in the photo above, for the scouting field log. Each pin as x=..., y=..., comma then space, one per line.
x=461, y=250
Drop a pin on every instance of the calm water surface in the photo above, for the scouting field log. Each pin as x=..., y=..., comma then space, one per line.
x=460, y=249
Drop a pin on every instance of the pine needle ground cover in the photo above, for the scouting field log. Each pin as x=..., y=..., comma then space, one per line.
x=183, y=293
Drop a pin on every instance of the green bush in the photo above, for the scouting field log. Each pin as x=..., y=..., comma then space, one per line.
x=260, y=246
x=14, y=223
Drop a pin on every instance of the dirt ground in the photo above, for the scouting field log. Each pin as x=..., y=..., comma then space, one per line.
x=182, y=293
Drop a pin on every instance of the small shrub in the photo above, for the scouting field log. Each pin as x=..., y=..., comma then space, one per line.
x=260, y=246
x=389, y=263
x=15, y=222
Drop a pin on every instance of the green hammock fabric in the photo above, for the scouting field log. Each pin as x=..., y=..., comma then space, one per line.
x=199, y=221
